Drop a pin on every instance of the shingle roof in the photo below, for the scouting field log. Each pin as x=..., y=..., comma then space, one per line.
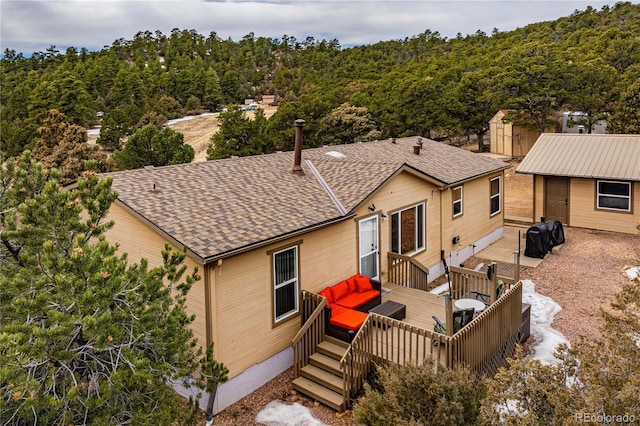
x=217, y=207
x=584, y=155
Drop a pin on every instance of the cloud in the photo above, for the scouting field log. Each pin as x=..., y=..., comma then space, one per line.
x=29, y=26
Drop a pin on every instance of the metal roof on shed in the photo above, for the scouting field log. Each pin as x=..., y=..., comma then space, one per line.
x=584, y=155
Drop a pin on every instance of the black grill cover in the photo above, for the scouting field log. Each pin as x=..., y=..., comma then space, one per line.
x=538, y=242
x=556, y=232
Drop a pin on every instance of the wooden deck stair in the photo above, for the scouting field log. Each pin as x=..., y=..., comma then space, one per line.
x=322, y=378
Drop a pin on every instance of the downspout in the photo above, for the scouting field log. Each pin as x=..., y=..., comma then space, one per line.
x=208, y=270
x=441, y=226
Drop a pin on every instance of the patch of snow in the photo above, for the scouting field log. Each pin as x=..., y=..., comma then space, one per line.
x=633, y=273
x=440, y=289
x=543, y=310
x=277, y=413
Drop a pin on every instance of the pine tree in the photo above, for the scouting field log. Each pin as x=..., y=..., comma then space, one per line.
x=150, y=146
x=85, y=337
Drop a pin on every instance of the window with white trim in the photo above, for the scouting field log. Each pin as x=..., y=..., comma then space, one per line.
x=408, y=230
x=496, y=195
x=285, y=283
x=614, y=195
x=457, y=201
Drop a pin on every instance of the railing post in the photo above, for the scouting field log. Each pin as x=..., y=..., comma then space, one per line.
x=493, y=281
x=449, y=315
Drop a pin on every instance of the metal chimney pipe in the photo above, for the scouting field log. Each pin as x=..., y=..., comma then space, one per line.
x=416, y=149
x=297, y=161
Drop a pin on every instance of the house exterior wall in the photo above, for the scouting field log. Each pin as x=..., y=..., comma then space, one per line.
x=476, y=220
x=241, y=289
x=538, y=198
x=583, y=212
x=245, y=334
x=403, y=191
x=139, y=241
x=582, y=207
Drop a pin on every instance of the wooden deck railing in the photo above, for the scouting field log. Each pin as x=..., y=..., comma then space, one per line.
x=491, y=338
x=384, y=341
x=483, y=345
x=406, y=271
x=463, y=281
x=312, y=332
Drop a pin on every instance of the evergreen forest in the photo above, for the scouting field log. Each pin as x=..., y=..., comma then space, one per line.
x=425, y=84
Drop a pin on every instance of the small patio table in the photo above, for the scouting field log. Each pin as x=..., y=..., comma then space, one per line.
x=470, y=303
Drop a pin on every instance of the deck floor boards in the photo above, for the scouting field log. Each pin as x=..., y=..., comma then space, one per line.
x=421, y=305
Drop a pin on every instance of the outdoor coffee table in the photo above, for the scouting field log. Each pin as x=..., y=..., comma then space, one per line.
x=391, y=309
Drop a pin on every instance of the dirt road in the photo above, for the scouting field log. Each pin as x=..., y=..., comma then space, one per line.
x=198, y=131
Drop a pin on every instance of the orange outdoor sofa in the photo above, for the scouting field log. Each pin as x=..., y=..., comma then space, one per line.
x=348, y=304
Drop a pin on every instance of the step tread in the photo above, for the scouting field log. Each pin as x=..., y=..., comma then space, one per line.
x=319, y=392
x=332, y=349
x=323, y=377
x=326, y=362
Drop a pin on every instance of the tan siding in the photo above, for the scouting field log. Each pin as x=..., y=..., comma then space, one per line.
x=403, y=191
x=583, y=212
x=245, y=334
x=476, y=222
x=139, y=241
x=538, y=202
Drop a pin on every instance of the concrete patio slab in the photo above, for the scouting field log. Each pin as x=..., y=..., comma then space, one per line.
x=503, y=250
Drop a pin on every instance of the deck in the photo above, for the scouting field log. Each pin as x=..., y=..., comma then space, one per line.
x=421, y=305
x=482, y=346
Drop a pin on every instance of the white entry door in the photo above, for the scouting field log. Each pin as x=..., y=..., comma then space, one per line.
x=368, y=230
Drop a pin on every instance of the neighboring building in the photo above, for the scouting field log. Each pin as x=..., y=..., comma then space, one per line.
x=268, y=99
x=261, y=233
x=569, y=117
x=587, y=181
x=510, y=139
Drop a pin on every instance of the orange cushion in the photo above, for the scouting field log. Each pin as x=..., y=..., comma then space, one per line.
x=349, y=319
x=354, y=300
x=339, y=290
x=327, y=293
x=351, y=284
x=363, y=284
x=337, y=309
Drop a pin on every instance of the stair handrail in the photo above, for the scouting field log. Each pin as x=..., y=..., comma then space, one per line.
x=352, y=382
x=305, y=342
x=408, y=272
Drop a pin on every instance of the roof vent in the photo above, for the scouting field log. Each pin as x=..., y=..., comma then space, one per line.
x=335, y=154
x=416, y=149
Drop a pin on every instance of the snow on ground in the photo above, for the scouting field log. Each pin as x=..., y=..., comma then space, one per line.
x=543, y=310
x=633, y=273
x=277, y=413
x=546, y=339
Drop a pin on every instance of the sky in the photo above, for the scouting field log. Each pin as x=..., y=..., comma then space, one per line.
x=32, y=26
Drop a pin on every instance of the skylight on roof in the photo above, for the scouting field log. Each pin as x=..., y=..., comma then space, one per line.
x=335, y=154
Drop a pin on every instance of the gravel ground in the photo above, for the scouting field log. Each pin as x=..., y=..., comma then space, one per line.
x=582, y=276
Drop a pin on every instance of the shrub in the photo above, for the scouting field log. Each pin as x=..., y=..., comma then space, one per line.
x=420, y=395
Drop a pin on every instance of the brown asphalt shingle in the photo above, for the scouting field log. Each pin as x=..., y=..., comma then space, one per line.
x=216, y=207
